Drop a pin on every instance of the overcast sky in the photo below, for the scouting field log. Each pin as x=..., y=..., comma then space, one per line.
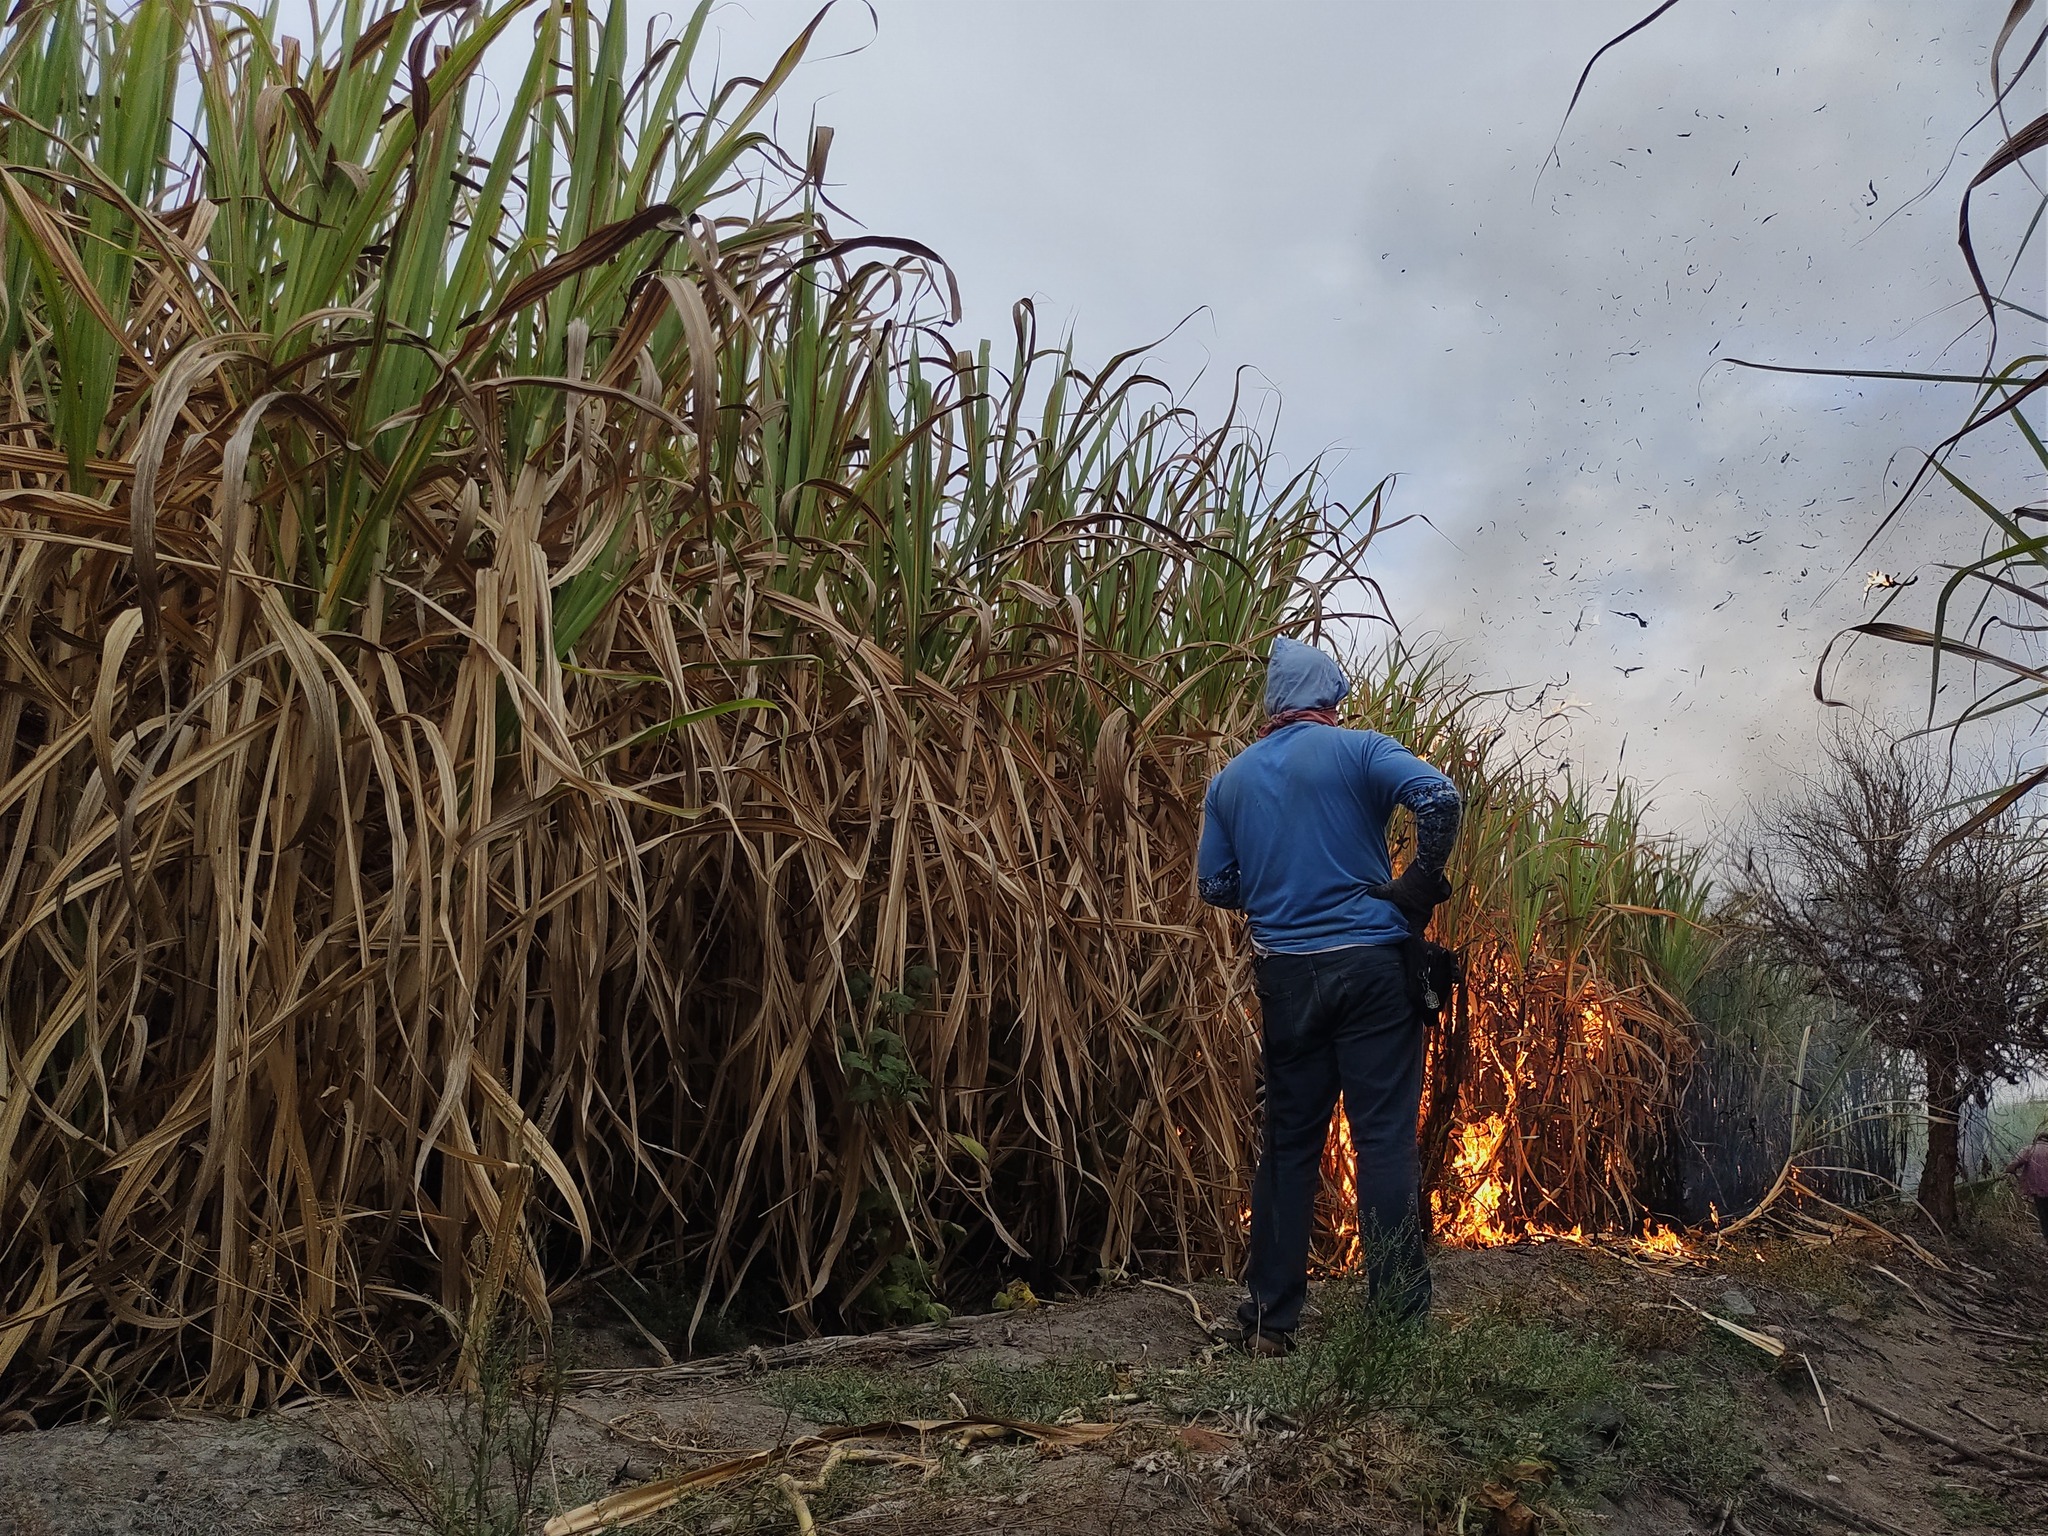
x=1346, y=198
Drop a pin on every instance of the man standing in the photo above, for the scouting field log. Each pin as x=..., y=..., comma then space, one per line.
x=1294, y=833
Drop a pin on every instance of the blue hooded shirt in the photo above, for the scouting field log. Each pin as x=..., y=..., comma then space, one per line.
x=1301, y=818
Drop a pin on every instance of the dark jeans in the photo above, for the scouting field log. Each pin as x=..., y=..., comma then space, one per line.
x=1340, y=1020
x=2041, y=1211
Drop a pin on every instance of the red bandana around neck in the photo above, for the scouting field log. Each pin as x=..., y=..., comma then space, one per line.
x=1288, y=717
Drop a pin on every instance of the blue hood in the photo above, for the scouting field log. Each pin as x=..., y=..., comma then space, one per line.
x=1301, y=677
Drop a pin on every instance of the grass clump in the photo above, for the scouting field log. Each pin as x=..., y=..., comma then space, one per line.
x=469, y=1464
x=1819, y=1274
x=851, y=1394
x=1433, y=1414
x=1975, y=1509
x=1039, y=1393
x=1502, y=1389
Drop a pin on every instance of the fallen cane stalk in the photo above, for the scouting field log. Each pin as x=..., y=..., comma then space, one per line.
x=1997, y=1458
x=650, y=1499
x=1770, y=1345
x=1903, y=1239
x=921, y=1339
x=805, y=1525
x=1814, y=1376
x=1997, y=1333
x=615, y=1428
x=1853, y=1518
x=1977, y=1418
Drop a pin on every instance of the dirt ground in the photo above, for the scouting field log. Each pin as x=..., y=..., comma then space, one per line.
x=1949, y=1337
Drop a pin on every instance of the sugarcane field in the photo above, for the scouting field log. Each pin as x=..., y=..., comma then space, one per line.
x=1161, y=767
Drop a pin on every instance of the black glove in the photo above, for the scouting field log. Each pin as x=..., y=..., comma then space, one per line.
x=1416, y=892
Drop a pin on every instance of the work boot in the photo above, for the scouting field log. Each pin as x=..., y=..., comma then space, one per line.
x=1265, y=1346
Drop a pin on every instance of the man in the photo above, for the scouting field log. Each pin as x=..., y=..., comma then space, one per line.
x=1294, y=833
x=2031, y=1169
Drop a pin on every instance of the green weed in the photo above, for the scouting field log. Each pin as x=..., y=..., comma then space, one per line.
x=902, y=1292
x=1039, y=1393
x=1973, y=1509
x=476, y=1473
x=1478, y=1397
x=1822, y=1273
x=845, y=1394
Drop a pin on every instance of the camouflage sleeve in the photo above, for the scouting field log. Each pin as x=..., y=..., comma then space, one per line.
x=1220, y=889
x=1437, y=808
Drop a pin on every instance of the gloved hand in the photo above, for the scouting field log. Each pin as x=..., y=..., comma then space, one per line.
x=1416, y=892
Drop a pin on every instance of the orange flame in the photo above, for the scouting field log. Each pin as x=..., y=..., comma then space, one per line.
x=1474, y=1205
x=1467, y=1211
x=1661, y=1242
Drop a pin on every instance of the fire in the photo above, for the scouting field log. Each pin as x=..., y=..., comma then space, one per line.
x=1660, y=1241
x=1595, y=1027
x=1540, y=1044
x=1468, y=1211
x=1340, y=1168
x=1469, y=1214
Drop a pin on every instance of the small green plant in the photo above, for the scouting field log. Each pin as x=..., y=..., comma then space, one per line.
x=1356, y=1360
x=881, y=1084
x=110, y=1404
x=1040, y=1393
x=1017, y=1296
x=1973, y=1509
x=848, y=1394
x=476, y=1472
x=902, y=1292
x=878, y=1069
x=1823, y=1273
x=877, y=1059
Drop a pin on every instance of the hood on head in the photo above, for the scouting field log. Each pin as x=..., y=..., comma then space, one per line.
x=1301, y=677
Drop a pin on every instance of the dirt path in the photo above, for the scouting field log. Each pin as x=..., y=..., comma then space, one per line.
x=1650, y=1418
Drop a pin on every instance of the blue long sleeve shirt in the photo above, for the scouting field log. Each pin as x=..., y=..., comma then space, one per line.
x=1294, y=829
